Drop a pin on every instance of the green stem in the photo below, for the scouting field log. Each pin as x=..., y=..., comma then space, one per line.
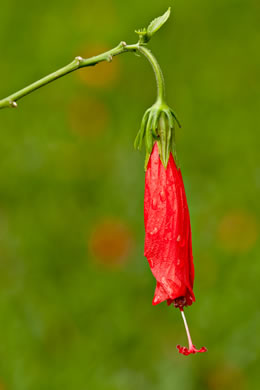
x=79, y=62
x=157, y=71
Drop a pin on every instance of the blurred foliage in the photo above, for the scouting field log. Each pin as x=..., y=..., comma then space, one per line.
x=71, y=185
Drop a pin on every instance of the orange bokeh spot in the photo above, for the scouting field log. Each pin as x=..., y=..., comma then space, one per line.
x=110, y=242
x=238, y=231
x=227, y=378
x=88, y=117
x=102, y=74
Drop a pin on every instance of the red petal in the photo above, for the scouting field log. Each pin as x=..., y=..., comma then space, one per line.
x=168, y=233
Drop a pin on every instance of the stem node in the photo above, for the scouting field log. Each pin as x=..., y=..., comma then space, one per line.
x=79, y=59
x=13, y=104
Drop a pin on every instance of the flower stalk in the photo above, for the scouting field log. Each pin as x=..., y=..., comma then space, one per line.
x=144, y=36
x=157, y=71
x=77, y=63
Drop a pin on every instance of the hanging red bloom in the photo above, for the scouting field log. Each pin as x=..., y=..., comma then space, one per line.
x=168, y=246
x=168, y=233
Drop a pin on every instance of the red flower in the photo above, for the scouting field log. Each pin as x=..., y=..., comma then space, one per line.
x=168, y=246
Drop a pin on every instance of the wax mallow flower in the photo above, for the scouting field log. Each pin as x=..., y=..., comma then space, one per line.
x=168, y=246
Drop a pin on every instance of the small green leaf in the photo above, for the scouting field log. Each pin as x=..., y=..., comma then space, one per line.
x=157, y=23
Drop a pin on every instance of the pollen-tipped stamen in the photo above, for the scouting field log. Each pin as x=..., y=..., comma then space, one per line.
x=192, y=349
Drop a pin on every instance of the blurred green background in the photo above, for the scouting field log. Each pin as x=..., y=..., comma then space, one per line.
x=75, y=289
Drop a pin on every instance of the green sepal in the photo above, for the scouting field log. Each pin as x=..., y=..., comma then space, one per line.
x=170, y=118
x=155, y=123
x=148, y=141
x=162, y=143
x=175, y=117
x=140, y=135
x=146, y=161
x=173, y=148
x=169, y=135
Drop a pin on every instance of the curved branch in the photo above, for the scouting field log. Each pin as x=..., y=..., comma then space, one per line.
x=77, y=63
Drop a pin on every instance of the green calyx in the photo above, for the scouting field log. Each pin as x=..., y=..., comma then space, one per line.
x=158, y=125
